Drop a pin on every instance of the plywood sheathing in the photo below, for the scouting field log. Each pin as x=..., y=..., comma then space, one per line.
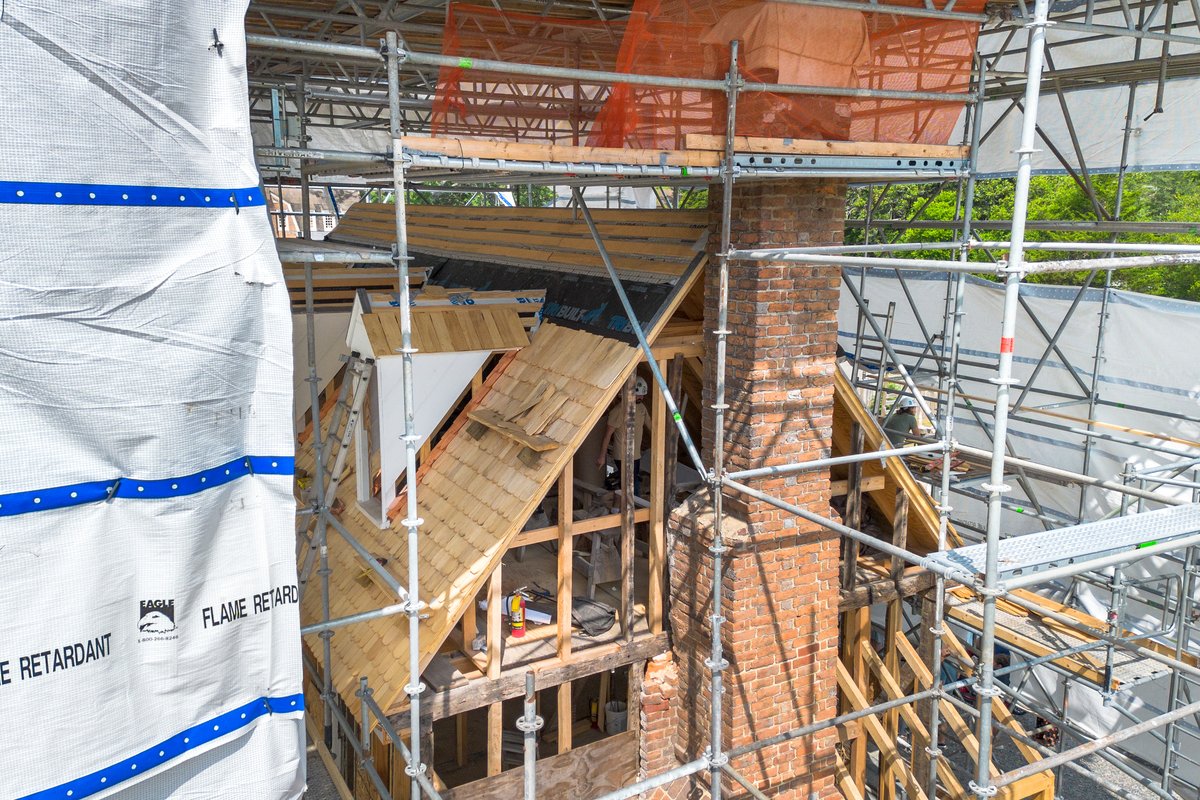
x=474, y=498
x=447, y=329
x=922, y=516
x=658, y=244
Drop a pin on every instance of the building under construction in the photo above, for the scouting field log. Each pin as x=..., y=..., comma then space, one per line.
x=617, y=473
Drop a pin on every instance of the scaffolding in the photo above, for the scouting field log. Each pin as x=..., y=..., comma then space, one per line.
x=995, y=569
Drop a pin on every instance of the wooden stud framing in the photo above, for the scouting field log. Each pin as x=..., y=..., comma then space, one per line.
x=856, y=623
x=495, y=654
x=566, y=561
x=628, y=470
x=566, y=584
x=658, y=504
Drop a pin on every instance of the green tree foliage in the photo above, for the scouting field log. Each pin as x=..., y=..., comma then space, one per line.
x=1147, y=196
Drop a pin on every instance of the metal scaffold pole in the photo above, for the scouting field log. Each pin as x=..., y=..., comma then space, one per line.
x=320, y=502
x=717, y=663
x=951, y=340
x=412, y=522
x=983, y=786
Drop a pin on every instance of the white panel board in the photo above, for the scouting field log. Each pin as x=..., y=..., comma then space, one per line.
x=442, y=377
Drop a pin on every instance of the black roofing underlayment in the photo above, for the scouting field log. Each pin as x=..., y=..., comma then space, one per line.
x=588, y=302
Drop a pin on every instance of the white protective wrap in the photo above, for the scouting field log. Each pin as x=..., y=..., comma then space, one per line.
x=1146, y=361
x=1086, y=124
x=150, y=644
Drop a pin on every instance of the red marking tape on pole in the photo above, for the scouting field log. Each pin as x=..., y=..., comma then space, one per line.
x=1006, y=344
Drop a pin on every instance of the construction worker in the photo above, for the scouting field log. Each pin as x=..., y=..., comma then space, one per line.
x=903, y=421
x=612, y=446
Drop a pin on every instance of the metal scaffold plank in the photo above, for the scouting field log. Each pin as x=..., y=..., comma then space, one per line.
x=1079, y=544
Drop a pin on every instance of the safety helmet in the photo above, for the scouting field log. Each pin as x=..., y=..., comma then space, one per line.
x=906, y=402
x=640, y=388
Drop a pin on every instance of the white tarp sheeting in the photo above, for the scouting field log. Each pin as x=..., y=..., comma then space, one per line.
x=1141, y=366
x=1160, y=141
x=1146, y=361
x=150, y=644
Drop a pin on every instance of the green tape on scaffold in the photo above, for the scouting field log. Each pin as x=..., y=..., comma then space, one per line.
x=466, y=63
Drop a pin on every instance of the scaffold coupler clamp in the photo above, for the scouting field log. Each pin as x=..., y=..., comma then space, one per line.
x=396, y=254
x=998, y=488
x=990, y=693
x=982, y=791
x=717, y=666
x=531, y=726
x=985, y=591
x=412, y=771
x=717, y=761
x=414, y=689
x=933, y=752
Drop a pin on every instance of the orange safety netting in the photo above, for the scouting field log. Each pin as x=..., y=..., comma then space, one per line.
x=786, y=43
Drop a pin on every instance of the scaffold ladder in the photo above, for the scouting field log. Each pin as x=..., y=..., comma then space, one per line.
x=335, y=448
x=1182, y=738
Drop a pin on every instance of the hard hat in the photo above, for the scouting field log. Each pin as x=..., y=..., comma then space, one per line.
x=906, y=402
x=640, y=389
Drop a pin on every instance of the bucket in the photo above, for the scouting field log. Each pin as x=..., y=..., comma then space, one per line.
x=614, y=716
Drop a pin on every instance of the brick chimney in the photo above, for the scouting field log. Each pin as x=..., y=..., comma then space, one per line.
x=781, y=577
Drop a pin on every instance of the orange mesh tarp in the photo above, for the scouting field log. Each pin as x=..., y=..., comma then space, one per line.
x=779, y=43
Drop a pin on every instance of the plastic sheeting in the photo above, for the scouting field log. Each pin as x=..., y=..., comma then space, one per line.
x=150, y=643
x=1141, y=364
x=1095, y=112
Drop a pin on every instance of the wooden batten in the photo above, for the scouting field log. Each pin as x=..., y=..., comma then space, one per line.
x=820, y=147
x=447, y=329
x=656, y=244
x=549, y=151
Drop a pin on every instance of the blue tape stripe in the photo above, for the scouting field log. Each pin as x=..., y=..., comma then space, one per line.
x=103, y=194
x=134, y=489
x=172, y=748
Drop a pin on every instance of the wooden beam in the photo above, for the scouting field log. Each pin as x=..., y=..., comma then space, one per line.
x=460, y=740
x=628, y=471
x=871, y=484
x=854, y=491
x=580, y=527
x=566, y=717
x=495, y=625
x=551, y=672
x=495, y=739
x=891, y=688
x=885, y=589
x=545, y=151
x=820, y=147
x=964, y=732
x=566, y=560
x=658, y=503
x=999, y=710
x=858, y=701
x=633, y=701
x=844, y=782
x=470, y=625
x=856, y=627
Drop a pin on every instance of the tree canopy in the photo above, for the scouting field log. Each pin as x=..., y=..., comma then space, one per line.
x=1147, y=196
